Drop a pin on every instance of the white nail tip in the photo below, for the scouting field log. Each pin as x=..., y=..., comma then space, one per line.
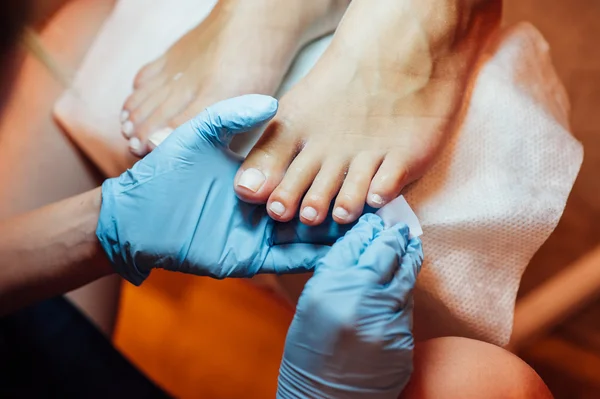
x=127, y=128
x=277, y=208
x=252, y=179
x=124, y=116
x=135, y=144
x=340, y=213
x=309, y=213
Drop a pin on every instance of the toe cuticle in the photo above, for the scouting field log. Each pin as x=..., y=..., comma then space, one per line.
x=277, y=208
x=309, y=213
x=252, y=179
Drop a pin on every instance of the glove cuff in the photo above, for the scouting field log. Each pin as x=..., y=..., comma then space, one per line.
x=108, y=236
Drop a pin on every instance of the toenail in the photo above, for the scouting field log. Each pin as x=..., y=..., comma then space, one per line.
x=252, y=179
x=127, y=128
x=124, y=116
x=340, y=213
x=277, y=208
x=309, y=213
x=376, y=199
x=135, y=144
x=159, y=136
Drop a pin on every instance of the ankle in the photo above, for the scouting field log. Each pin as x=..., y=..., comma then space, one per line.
x=462, y=23
x=417, y=38
x=304, y=19
x=456, y=45
x=317, y=17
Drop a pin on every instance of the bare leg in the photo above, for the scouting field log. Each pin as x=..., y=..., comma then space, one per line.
x=451, y=367
x=38, y=164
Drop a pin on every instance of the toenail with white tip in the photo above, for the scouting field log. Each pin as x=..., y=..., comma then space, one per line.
x=340, y=213
x=124, y=116
x=135, y=144
x=277, y=208
x=309, y=213
x=377, y=199
x=127, y=128
x=252, y=179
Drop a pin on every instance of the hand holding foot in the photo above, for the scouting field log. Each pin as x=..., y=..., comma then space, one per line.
x=176, y=209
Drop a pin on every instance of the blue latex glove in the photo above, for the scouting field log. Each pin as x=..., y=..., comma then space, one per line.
x=176, y=208
x=351, y=336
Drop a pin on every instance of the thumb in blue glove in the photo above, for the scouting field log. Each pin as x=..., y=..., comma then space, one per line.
x=176, y=208
x=351, y=336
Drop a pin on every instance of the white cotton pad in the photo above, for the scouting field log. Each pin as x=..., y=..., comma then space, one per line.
x=494, y=196
x=398, y=211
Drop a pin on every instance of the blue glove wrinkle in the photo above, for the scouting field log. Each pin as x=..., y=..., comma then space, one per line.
x=237, y=235
x=108, y=236
x=212, y=130
x=350, y=247
x=221, y=124
x=381, y=260
x=294, y=382
x=351, y=335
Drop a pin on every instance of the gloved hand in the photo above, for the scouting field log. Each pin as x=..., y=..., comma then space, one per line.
x=351, y=336
x=176, y=208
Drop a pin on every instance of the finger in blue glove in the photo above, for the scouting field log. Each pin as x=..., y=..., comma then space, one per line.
x=176, y=208
x=351, y=336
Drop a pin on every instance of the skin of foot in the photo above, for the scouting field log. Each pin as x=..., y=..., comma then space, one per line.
x=242, y=47
x=373, y=113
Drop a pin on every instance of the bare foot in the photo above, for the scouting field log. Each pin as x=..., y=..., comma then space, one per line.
x=242, y=47
x=372, y=114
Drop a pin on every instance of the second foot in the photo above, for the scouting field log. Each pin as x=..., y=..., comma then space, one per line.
x=242, y=47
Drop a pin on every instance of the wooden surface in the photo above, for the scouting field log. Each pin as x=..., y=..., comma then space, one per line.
x=204, y=338
x=568, y=359
x=572, y=28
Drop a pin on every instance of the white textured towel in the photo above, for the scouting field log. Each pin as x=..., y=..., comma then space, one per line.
x=489, y=203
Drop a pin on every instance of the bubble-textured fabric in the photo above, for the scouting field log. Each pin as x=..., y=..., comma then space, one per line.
x=496, y=193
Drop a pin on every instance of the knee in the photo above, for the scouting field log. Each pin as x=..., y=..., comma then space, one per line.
x=452, y=367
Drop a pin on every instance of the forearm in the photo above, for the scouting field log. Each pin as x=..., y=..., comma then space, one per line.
x=50, y=251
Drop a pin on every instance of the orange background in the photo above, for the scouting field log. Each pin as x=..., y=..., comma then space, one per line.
x=198, y=337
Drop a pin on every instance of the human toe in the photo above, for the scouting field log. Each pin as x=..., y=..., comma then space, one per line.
x=265, y=166
x=393, y=175
x=283, y=202
x=350, y=201
x=323, y=189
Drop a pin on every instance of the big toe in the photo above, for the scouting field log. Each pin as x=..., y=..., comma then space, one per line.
x=265, y=166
